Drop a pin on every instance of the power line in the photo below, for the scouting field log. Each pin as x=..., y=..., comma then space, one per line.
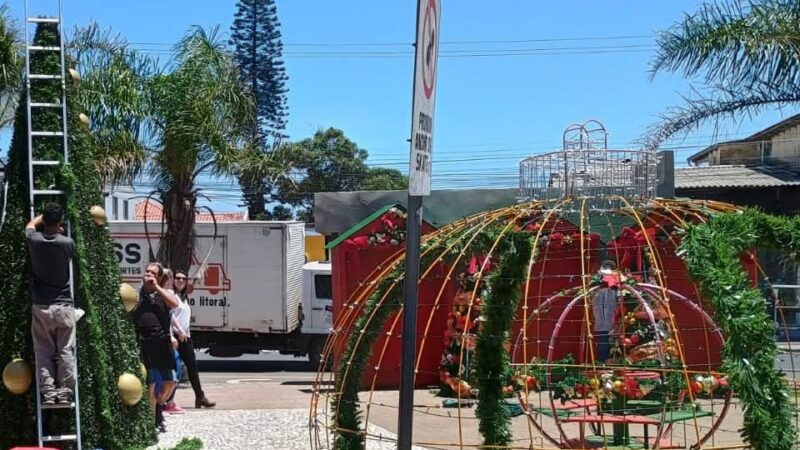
x=452, y=42
x=466, y=53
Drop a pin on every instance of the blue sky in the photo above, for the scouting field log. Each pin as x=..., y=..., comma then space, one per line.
x=491, y=110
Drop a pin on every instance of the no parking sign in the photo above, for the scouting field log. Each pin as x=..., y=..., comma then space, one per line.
x=427, y=55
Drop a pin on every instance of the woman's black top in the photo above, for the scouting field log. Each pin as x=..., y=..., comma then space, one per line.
x=152, y=320
x=151, y=316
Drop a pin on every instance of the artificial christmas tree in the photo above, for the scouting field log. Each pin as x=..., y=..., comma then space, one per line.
x=106, y=340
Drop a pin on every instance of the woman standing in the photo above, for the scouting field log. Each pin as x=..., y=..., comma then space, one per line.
x=181, y=319
x=151, y=316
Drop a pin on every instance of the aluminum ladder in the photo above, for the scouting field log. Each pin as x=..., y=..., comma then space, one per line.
x=34, y=192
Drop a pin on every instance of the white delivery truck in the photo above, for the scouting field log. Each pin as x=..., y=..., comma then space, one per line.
x=255, y=291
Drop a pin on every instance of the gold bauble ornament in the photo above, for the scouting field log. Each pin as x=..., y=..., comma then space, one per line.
x=17, y=376
x=76, y=77
x=708, y=384
x=129, y=388
x=129, y=296
x=618, y=385
x=98, y=214
x=84, y=119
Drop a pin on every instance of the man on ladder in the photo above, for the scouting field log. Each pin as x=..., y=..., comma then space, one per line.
x=53, y=322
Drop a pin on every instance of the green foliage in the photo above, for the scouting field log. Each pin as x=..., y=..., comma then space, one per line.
x=746, y=52
x=330, y=162
x=492, y=365
x=712, y=252
x=11, y=60
x=383, y=179
x=256, y=39
x=114, y=94
x=189, y=444
x=184, y=444
x=106, y=341
x=279, y=212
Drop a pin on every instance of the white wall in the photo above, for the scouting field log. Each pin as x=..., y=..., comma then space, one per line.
x=786, y=145
x=121, y=205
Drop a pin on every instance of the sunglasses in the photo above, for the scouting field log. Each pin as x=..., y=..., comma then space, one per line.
x=180, y=278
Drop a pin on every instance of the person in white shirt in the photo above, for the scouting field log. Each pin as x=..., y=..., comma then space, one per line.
x=181, y=320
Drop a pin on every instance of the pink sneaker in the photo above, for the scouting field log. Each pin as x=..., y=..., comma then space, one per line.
x=172, y=408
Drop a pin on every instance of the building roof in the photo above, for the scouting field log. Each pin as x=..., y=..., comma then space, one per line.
x=763, y=135
x=154, y=211
x=736, y=176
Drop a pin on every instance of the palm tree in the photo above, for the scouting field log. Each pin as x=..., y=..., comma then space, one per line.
x=169, y=124
x=11, y=61
x=747, y=54
x=201, y=114
x=114, y=96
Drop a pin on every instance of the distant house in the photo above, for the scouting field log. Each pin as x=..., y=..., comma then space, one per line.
x=761, y=170
x=153, y=212
x=124, y=204
x=119, y=205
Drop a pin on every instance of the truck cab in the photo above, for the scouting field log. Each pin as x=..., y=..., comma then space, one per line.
x=317, y=307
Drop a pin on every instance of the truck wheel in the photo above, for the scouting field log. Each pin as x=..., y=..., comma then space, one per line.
x=315, y=352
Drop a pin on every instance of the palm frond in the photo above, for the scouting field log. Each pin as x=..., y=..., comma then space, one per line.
x=729, y=105
x=11, y=63
x=748, y=52
x=113, y=94
x=205, y=110
x=737, y=44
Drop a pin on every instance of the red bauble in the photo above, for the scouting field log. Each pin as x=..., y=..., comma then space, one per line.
x=634, y=339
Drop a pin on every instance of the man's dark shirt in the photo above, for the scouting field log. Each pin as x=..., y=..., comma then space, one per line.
x=50, y=259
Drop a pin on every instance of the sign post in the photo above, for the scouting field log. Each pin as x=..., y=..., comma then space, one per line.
x=419, y=185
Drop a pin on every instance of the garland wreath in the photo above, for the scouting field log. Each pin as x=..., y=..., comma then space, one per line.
x=492, y=363
x=712, y=252
x=392, y=233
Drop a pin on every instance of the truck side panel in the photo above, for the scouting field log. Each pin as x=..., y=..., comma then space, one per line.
x=256, y=255
x=209, y=292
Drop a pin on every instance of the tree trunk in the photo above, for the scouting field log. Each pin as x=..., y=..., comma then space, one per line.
x=177, y=244
x=253, y=194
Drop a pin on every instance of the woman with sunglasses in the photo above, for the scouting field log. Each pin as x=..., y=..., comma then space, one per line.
x=181, y=319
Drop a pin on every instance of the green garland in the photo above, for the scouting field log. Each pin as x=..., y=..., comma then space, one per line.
x=106, y=340
x=712, y=252
x=492, y=364
x=349, y=374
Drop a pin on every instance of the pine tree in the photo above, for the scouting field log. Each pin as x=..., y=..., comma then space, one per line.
x=256, y=37
x=105, y=336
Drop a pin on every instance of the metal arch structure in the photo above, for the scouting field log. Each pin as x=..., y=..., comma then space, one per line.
x=586, y=167
x=584, y=136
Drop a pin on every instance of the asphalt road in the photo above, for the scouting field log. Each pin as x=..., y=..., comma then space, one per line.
x=263, y=362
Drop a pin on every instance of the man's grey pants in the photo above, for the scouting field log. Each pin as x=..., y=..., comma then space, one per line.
x=54, y=344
